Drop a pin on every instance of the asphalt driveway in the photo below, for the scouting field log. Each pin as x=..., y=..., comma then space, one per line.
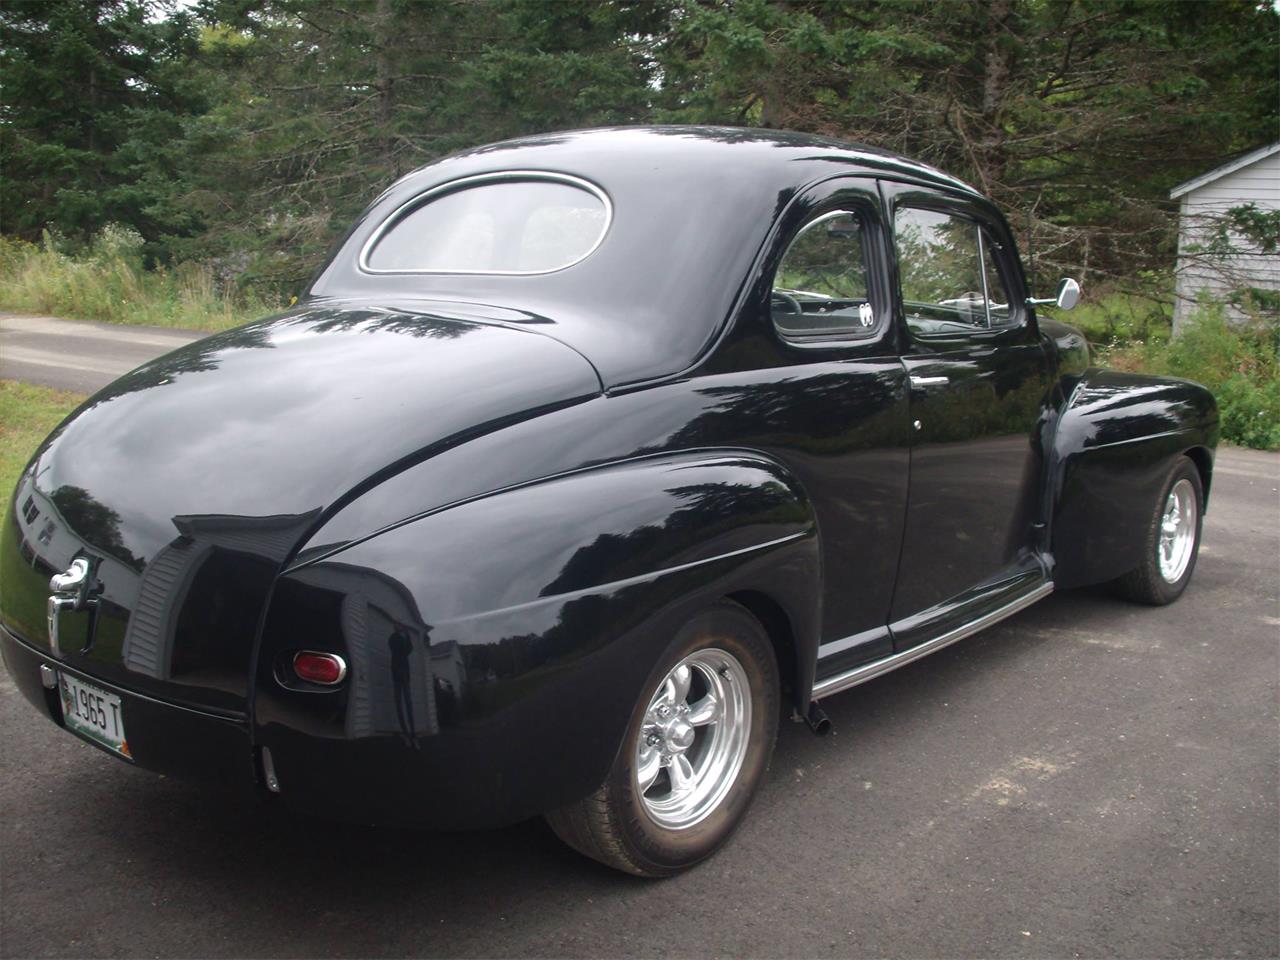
x=78, y=355
x=1088, y=778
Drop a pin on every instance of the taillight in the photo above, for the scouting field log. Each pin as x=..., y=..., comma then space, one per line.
x=326, y=669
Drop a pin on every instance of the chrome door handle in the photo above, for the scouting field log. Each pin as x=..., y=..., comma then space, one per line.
x=929, y=381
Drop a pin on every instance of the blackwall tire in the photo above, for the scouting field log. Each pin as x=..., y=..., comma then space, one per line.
x=1171, y=541
x=696, y=750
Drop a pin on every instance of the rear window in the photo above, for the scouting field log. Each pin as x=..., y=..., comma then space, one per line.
x=513, y=223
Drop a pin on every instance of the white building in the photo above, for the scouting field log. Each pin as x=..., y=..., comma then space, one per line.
x=1252, y=178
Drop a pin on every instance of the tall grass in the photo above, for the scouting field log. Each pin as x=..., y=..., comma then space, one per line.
x=107, y=281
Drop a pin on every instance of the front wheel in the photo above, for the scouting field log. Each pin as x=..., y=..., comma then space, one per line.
x=1172, y=540
x=697, y=747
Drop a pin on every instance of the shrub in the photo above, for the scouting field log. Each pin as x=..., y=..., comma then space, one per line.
x=1120, y=318
x=1240, y=363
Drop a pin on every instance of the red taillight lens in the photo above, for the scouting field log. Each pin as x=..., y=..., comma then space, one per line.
x=323, y=668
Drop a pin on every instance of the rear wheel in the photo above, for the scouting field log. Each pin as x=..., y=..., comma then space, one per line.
x=696, y=749
x=1172, y=540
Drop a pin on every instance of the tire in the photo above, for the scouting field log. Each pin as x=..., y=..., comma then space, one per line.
x=725, y=663
x=1171, y=541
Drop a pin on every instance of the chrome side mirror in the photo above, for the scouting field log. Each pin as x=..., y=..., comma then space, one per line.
x=1068, y=296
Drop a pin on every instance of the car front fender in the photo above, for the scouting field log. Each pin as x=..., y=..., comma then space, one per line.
x=1116, y=436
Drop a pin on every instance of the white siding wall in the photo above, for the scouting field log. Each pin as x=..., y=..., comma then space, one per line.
x=1258, y=183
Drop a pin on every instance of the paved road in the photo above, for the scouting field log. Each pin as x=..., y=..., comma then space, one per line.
x=1088, y=778
x=78, y=355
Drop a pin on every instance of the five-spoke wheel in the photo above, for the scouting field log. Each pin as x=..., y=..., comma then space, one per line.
x=696, y=749
x=693, y=739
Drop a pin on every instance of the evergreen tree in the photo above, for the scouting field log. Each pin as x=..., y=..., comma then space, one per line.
x=95, y=98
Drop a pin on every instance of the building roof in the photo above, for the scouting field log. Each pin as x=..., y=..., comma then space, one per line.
x=1231, y=166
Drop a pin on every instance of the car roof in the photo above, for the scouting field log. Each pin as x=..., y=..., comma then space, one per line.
x=760, y=147
x=692, y=206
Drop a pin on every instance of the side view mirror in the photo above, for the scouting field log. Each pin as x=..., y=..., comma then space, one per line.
x=1068, y=296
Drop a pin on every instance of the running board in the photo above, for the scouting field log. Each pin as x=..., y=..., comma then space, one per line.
x=869, y=671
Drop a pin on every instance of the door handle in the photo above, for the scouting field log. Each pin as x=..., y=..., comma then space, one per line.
x=921, y=382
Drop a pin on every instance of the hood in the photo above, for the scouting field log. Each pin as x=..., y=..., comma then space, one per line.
x=189, y=481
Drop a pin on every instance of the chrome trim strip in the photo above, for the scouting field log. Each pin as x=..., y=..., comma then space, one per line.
x=424, y=198
x=853, y=640
x=869, y=671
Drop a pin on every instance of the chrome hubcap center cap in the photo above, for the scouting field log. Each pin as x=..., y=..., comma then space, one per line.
x=669, y=731
x=679, y=736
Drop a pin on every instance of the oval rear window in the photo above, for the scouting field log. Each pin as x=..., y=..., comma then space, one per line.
x=512, y=223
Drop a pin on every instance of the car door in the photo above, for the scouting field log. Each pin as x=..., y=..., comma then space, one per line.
x=811, y=374
x=978, y=380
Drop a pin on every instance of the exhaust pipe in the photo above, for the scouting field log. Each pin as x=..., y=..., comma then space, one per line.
x=818, y=720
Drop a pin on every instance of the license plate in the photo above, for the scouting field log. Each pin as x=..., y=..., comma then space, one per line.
x=94, y=713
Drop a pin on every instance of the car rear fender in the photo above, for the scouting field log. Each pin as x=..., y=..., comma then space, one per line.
x=1115, y=437
x=501, y=643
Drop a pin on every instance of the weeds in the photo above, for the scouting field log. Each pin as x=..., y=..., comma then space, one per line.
x=108, y=281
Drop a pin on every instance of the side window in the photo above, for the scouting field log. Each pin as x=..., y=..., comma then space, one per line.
x=940, y=271
x=820, y=288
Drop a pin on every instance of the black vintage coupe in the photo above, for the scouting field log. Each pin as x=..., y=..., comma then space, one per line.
x=586, y=459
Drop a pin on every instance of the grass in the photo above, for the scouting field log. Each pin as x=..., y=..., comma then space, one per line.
x=107, y=281
x=28, y=414
x=1119, y=318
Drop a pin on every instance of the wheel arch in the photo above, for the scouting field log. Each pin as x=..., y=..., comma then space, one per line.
x=792, y=665
x=1202, y=457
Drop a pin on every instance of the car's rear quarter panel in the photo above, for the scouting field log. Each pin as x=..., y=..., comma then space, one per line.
x=496, y=649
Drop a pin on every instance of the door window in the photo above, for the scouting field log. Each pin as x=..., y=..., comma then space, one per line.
x=820, y=288
x=949, y=282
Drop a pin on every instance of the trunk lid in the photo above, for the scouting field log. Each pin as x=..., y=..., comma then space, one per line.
x=188, y=482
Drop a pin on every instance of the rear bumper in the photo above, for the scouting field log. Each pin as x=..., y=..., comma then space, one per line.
x=487, y=775
x=162, y=737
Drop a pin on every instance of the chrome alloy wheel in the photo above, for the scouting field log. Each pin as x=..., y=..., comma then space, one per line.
x=1177, y=531
x=693, y=738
